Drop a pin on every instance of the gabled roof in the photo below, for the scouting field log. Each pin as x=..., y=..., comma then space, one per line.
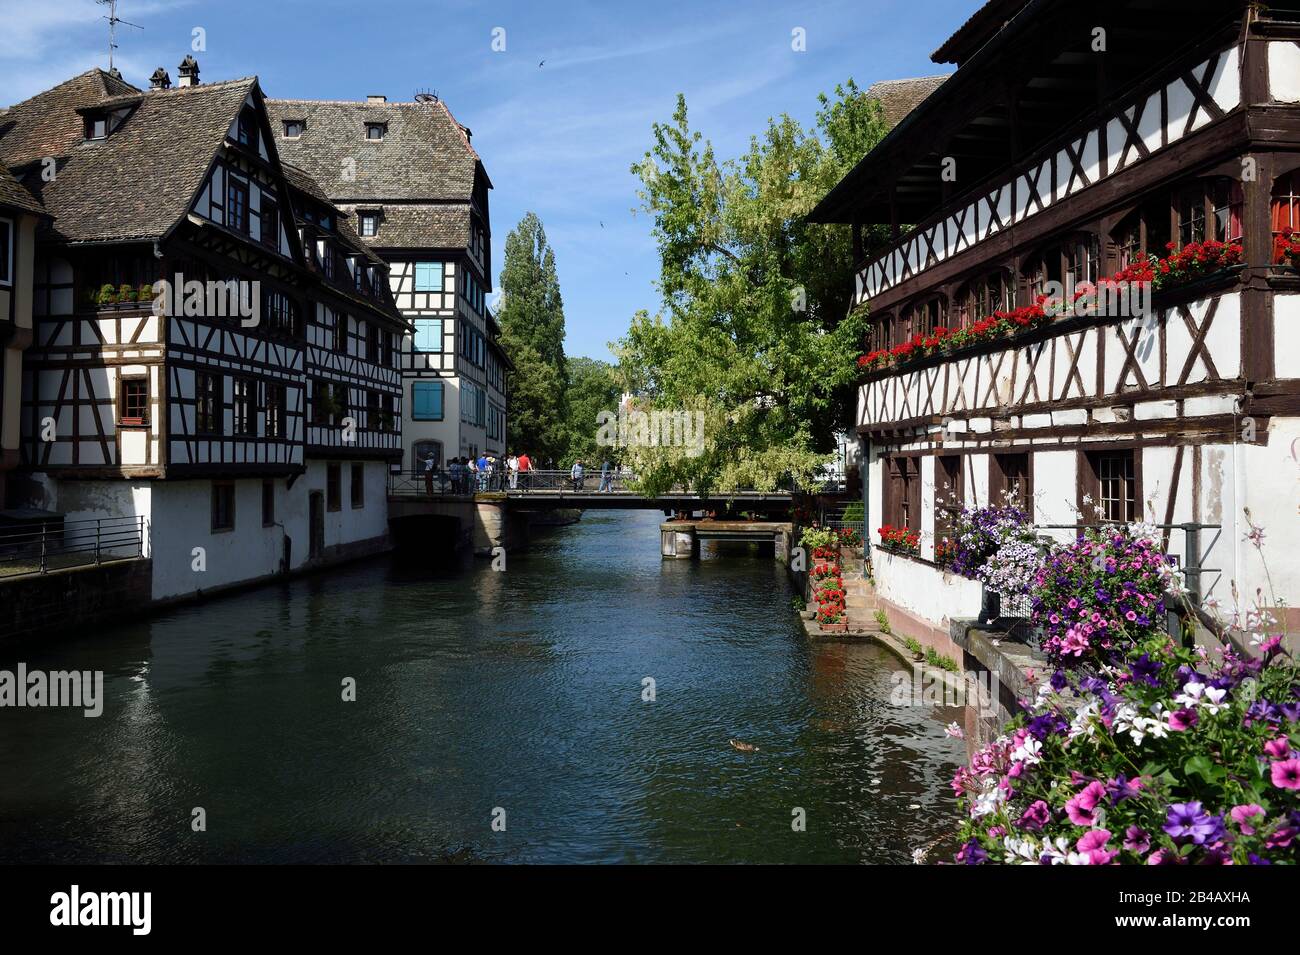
x=14, y=196
x=900, y=97
x=47, y=124
x=425, y=154
x=137, y=182
x=982, y=26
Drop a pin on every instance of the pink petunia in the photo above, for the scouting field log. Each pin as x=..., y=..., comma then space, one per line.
x=1081, y=808
x=1279, y=748
x=1243, y=814
x=1286, y=774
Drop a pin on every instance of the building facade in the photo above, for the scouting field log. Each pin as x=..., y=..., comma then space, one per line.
x=20, y=214
x=178, y=298
x=418, y=191
x=1054, y=158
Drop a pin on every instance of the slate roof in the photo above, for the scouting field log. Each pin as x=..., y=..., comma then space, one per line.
x=424, y=155
x=14, y=196
x=900, y=97
x=137, y=182
x=423, y=225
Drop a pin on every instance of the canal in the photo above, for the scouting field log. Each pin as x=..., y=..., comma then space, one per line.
x=477, y=692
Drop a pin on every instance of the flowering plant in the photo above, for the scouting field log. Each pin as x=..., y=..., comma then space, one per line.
x=900, y=538
x=980, y=531
x=828, y=592
x=1169, y=756
x=1194, y=260
x=944, y=551
x=849, y=537
x=822, y=570
x=1013, y=568
x=1286, y=249
x=1102, y=593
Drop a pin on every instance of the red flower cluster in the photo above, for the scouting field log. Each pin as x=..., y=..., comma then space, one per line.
x=900, y=538
x=1195, y=260
x=1192, y=261
x=944, y=551
x=828, y=591
x=1286, y=248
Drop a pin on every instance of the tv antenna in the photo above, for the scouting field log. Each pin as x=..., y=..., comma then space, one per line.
x=113, y=20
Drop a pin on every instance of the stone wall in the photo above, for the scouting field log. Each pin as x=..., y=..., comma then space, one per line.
x=73, y=598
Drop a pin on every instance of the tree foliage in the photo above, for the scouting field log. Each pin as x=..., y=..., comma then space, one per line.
x=532, y=333
x=756, y=332
x=593, y=388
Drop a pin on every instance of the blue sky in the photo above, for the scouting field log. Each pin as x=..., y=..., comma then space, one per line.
x=557, y=139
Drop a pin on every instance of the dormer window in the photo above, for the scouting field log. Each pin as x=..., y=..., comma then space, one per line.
x=96, y=127
x=376, y=131
x=293, y=128
x=369, y=223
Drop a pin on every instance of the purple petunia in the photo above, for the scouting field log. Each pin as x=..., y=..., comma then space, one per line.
x=1187, y=821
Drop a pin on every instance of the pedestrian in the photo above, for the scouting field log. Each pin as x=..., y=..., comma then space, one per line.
x=525, y=470
x=471, y=479
x=575, y=474
x=453, y=473
x=512, y=467
x=490, y=473
x=429, y=463
x=606, y=476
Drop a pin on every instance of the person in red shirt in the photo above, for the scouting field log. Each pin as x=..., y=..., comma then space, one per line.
x=525, y=470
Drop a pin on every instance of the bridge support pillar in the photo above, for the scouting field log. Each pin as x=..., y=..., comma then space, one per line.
x=781, y=539
x=497, y=526
x=678, y=543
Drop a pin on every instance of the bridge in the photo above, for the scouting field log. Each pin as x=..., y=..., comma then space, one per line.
x=496, y=514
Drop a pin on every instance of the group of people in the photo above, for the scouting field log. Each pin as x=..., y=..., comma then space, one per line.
x=487, y=472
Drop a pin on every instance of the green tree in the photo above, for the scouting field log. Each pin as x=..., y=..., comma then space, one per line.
x=532, y=333
x=593, y=388
x=758, y=334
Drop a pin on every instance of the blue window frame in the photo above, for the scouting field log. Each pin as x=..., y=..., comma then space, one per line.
x=427, y=403
x=428, y=334
x=428, y=276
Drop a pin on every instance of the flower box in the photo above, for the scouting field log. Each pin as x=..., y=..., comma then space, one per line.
x=841, y=627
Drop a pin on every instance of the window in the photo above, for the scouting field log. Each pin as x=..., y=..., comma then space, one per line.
x=1110, y=478
x=245, y=406
x=1081, y=261
x=6, y=252
x=984, y=296
x=268, y=503
x=428, y=334
x=281, y=313
x=358, y=488
x=96, y=127
x=236, y=204
x=1010, y=482
x=1226, y=201
x=276, y=400
x=223, y=506
x=926, y=316
x=372, y=411
x=270, y=223
x=428, y=276
x=1126, y=241
x=372, y=343
x=369, y=222
x=326, y=256
x=334, y=486
x=426, y=400
x=903, y=493
x=421, y=451
x=375, y=131
x=321, y=402
x=1191, y=215
x=949, y=492
x=341, y=333
x=1285, y=211
x=134, y=401
x=293, y=128
x=207, y=404
x=340, y=402
x=246, y=131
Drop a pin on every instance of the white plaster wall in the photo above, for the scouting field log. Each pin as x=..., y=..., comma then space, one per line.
x=1284, y=71
x=1286, y=331
x=926, y=591
x=927, y=507
x=348, y=524
x=1055, y=481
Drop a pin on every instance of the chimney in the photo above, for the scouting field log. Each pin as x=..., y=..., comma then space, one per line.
x=160, y=80
x=189, y=70
x=376, y=98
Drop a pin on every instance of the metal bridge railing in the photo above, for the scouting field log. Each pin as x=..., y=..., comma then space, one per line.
x=52, y=545
x=462, y=483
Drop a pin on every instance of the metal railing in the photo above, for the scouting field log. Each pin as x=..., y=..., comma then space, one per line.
x=462, y=483
x=53, y=545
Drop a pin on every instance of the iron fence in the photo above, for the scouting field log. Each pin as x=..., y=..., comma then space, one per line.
x=461, y=482
x=53, y=545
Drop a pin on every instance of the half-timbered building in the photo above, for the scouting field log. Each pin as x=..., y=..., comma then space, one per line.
x=20, y=213
x=1074, y=143
x=418, y=192
x=353, y=376
x=168, y=372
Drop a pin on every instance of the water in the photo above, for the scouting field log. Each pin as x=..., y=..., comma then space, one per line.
x=478, y=691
